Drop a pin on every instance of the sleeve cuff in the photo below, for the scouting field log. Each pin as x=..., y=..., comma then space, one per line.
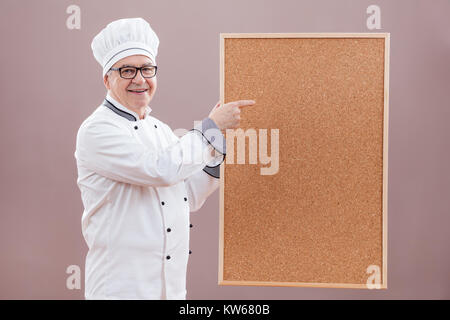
x=213, y=171
x=215, y=138
x=212, y=134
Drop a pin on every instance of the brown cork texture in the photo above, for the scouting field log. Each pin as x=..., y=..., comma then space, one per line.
x=319, y=219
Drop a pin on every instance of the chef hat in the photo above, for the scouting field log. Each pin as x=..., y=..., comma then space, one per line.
x=123, y=38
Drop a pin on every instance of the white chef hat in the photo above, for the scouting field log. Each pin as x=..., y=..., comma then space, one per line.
x=123, y=38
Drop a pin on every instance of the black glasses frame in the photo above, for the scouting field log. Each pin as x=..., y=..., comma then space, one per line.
x=137, y=69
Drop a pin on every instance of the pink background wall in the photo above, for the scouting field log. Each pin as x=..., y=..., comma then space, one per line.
x=50, y=82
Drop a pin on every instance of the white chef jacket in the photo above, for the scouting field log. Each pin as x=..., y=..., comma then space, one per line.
x=138, y=183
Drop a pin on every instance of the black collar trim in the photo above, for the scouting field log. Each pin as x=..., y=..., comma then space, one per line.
x=121, y=113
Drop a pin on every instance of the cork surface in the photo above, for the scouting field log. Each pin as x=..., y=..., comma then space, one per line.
x=319, y=219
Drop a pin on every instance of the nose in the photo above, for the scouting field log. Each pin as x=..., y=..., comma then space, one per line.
x=139, y=79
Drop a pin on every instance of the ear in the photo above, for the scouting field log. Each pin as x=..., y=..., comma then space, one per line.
x=106, y=81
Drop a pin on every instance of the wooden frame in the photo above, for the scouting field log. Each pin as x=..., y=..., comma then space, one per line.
x=386, y=37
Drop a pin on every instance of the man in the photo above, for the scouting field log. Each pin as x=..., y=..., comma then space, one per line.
x=138, y=180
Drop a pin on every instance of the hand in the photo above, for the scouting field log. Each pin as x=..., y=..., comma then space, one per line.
x=228, y=116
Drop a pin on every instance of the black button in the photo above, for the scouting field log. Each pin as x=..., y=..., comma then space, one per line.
x=190, y=226
x=162, y=203
x=185, y=199
x=168, y=229
x=136, y=127
x=156, y=126
x=190, y=251
x=168, y=257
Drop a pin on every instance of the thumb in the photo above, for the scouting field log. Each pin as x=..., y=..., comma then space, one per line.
x=215, y=107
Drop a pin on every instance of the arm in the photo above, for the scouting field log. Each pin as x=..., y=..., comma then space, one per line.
x=111, y=151
x=199, y=187
x=202, y=184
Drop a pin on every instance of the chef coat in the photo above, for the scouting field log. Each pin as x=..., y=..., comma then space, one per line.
x=138, y=183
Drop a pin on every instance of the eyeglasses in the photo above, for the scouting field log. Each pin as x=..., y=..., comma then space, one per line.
x=131, y=72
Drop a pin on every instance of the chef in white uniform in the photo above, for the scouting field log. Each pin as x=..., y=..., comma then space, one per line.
x=138, y=180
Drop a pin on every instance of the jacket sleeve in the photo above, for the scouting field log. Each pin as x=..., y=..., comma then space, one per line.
x=112, y=151
x=202, y=184
x=199, y=187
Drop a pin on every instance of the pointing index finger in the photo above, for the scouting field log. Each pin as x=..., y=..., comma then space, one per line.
x=244, y=103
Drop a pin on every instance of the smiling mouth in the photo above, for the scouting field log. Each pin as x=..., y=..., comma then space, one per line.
x=138, y=91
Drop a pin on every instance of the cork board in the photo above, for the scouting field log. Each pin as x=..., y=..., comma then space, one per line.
x=318, y=218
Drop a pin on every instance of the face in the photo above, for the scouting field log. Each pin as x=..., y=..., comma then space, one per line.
x=129, y=91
